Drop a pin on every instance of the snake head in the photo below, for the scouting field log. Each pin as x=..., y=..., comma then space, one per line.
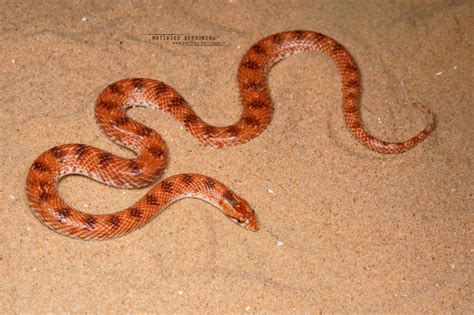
x=239, y=211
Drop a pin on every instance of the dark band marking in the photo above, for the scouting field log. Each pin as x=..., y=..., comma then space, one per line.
x=114, y=220
x=259, y=49
x=122, y=121
x=104, y=158
x=354, y=124
x=276, y=39
x=157, y=152
x=229, y=196
x=177, y=101
x=190, y=119
x=233, y=131
x=210, y=131
x=134, y=167
x=352, y=95
x=210, y=183
x=150, y=199
x=251, y=121
x=188, y=179
x=114, y=88
x=161, y=87
x=254, y=86
x=80, y=150
x=106, y=105
x=40, y=167
x=167, y=186
x=298, y=34
x=63, y=214
x=251, y=65
x=257, y=104
x=351, y=67
x=56, y=152
x=351, y=109
x=136, y=213
x=138, y=84
x=43, y=196
x=353, y=83
x=43, y=185
x=336, y=47
x=90, y=222
x=145, y=131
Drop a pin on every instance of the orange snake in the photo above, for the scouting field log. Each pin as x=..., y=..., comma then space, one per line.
x=110, y=111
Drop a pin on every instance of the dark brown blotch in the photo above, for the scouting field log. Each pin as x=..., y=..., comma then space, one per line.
x=188, y=179
x=43, y=196
x=251, y=65
x=190, y=119
x=63, y=214
x=138, y=84
x=352, y=95
x=258, y=49
x=210, y=131
x=40, y=167
x=336, y=47
x=80, y=150
x=355, y=124
x=257, y=104
x=157, y=152
x=177, y=101
x=161, y=88
x=233, y=131
x=134, y=167
x=254, y=86
x=43, y=185
x=151, y=200
x=351, y=67
x=105, y=158
x=351, y=109
x=122, y=121
x=114, y=88
x=145, y=131
x=276, y=38
x=353, y=83
x=229, y=196
x=136, y=213
x=210, y=183
x=90, y=222
x=167, y=186
x=251, y=121
x=114, y=220
x=106, y=105
x=298, y=34
x=56, y=151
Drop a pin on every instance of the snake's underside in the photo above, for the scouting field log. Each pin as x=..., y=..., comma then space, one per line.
x=151, y=151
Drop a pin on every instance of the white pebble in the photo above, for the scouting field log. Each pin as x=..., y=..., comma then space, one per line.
x=247, y=308
x=180, y=292
x=279, y=243
x=12, y=197
x=84, y=18
x=270, y=190
x=439, y=73
x=13, y=60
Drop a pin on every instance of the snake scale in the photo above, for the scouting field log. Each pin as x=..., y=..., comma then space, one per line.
x=151, y=152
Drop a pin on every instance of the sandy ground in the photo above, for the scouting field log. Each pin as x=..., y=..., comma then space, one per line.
x=344, y=229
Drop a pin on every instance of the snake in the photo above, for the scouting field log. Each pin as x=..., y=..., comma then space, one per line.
x=151, y=152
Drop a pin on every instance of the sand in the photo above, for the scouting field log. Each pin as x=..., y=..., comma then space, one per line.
x=344, y=229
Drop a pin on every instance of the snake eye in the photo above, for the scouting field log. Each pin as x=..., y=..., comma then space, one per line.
x=240, y=220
